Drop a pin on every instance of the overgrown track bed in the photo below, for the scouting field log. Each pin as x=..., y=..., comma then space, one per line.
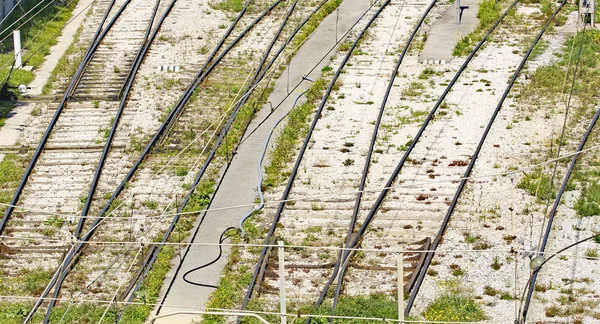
x=356, y=98
x=66, y=165
x=156, y=188
x=414, y=208
x=495, y=215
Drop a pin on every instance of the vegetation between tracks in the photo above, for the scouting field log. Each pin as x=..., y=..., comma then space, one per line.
x=38, y=35
x=549, y=85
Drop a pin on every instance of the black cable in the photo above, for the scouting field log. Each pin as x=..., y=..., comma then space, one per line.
x=221, y=240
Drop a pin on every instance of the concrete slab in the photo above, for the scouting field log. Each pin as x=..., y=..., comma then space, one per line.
x=239, y=184
x=446, y=32
x=15, y=121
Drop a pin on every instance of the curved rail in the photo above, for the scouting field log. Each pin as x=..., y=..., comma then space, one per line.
x=560, y=192
x=135, y=66
x=302, y=150
x=80, y=69
x=553, y=213
x=137, y=61
x=353, y=242
x=144, y=47
x=72, y=255
x=463, y=181
x=365, y=171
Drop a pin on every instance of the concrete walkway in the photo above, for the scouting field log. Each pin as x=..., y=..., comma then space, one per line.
x=18, y=117
x=57, y=51
x=239, y=184
x=446, y=32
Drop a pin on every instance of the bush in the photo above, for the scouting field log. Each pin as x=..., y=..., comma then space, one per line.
x=454, y=305
x=588, y=203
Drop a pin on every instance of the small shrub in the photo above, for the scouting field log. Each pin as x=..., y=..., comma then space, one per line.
x=591, y=253
x=348, y=162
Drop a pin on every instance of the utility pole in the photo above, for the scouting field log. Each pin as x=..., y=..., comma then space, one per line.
x=587, y=13
x=17, y=42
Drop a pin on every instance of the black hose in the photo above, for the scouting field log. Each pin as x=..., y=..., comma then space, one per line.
x=438, y=238
x=221, y=240
x=301, y=154
x=562, y=187
x=157, y=249
x=71, y=256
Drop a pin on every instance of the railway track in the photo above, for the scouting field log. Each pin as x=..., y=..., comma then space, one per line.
x=423, y=219
x=93, y=256
x=473, y=159
x=334, y=84
x=65, y=161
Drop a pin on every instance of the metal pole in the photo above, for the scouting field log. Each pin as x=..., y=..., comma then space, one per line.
x=457, y=12
x=282, y=299
x=336, y=24
x=17, y=41
x=401, y=287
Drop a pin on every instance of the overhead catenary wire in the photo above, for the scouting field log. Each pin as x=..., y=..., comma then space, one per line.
x=462, y=184
x=309, y=198
x=303, y=149
x=552, y=214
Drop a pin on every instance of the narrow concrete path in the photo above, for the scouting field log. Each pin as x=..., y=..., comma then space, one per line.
x=446, y=32
x=239, y=184
x=17, y=119
x=57, y=51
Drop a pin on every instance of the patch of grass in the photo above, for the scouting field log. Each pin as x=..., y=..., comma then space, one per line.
x=296, y=127
x=39, y=34
x=454, y=304
x=588, y=204
x=5, y=108
x=11, y=170
x=591, y=253
x=547, y=81
x=228, y=5
x=537, y=184
x=374, y=305
x=414, y=89
x=489, y=12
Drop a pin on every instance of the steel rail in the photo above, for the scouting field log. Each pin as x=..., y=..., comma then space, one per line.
x=170, y=120
x=90, y=54
x=98, y=171
x=562, y=187
x=80, y=69
x=389, y=184
x=72, y=255
x=438, y=238
x=259, y=75
x=144, y=47
x=156, y=249
x=553, y=213
x=98, y=37
x=137, y=62
x=303, y=149
x=368, y=164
